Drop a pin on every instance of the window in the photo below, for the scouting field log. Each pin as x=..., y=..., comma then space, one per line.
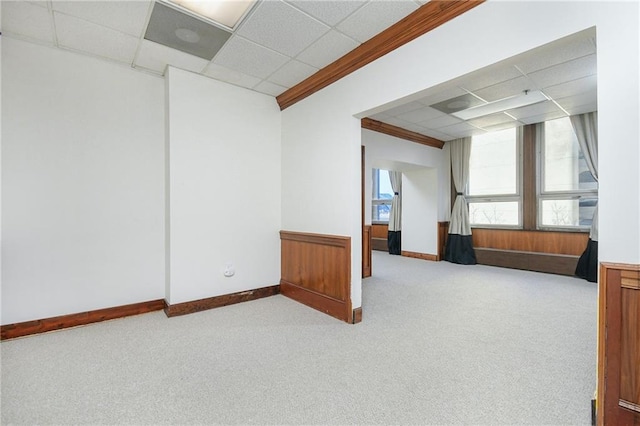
x=568, y=193
x=493, y=192
x=382, y=196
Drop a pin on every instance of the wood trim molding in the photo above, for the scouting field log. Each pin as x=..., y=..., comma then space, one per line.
x=219, y=301
x=423, y=256
x=316, y=300
x=426, y=18
x=399, y=132
x=12, y=331
x=320, y=239
x=357, y=315
x=561, y=264
x=529, y=180
x=552, y=242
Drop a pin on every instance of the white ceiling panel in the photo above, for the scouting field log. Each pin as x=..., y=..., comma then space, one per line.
x=249, y=58
x=125, y=16
x=442, y=95
x=380, y=117
x=502, y=126
x=85, y=36
x=581, y=109
x=547, y=107
x=543, y=117
x=403, y=109
x=331, y=12
x=269, y=88
x=230, y=76
x=281, y=27
x=374, y=17
x=441, y=121
x=572, y=47
x=397, y=122
x=156, y=57
x=436, y=134
x=291, y=73
x=581, y=85
x=567, y=71
x=491, y=78
x=505, y=89
x=27, y=20
x=492, y=120
x=461, y=130
x=583, y=99
x=331, y=46
x=420, y=115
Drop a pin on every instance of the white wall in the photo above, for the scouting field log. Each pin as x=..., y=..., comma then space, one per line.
x=391, y=153
x=224, y=174
x=82, y=183
x=419, y=217
x=321, y=135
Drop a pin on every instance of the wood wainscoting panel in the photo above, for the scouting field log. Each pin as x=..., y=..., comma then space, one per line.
x=618, y=393
x=443, y=234
x=316, y=271
x=571, y=243
x=218, y=301
x=366, y=251
x=11, y=331
x=379, y=233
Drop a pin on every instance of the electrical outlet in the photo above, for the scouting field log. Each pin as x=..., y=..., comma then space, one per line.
x=229, y=270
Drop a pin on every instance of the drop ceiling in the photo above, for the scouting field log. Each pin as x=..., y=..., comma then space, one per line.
x=564, y=70
x=277, y=45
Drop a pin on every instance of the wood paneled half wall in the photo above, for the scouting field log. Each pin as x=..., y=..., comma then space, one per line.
x=316, y=271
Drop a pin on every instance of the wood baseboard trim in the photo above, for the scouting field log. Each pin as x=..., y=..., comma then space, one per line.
x=357, y=315
x=21, y=329
x=320, y=302
x=219, y=301
x=423, y=256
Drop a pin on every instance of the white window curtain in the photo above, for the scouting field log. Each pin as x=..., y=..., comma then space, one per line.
x=586, y=128
x=459, y=247
x=395, y=223
x=394, y=236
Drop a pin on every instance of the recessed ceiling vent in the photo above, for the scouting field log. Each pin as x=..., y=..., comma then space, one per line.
x=457, y=104
x=183, y=32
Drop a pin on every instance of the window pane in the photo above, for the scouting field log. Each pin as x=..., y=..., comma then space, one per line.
x=568, y=212
x=494, y=213
x=383, y=189
x=565, y=168
x=492, y=165
x=380, y=213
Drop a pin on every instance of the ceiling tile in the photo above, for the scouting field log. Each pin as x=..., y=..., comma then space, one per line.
x=269, y=88
x=402, y=109
x=77, y=34
x=397, y=122
x=543, y=117
x=547, y=107
x=567, y=71
x=374, y=17
x=581, y=85
x=441, y=121
x=380, y=117
x=490, y=77
x=156, y=57
x=502, y=126
x=461, y=130
x=505, y=89
x=581, y=109
x=441, y=95
x=566, y=49
x=331, y=46
x=230, y=76
x=331, y=12
x=437, y=135
x=420, y=115
x=583, y=99
x=292, y=73
x=492, y=120
x=249, y=58
x=27, y=20
x=281, y=27
x=125, y=16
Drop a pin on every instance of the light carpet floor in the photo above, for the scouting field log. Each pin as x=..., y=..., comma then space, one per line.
x=439, y=344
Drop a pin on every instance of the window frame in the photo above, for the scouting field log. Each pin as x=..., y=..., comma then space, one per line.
x=517, y=196
x=375, y=189
x=542, y=195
